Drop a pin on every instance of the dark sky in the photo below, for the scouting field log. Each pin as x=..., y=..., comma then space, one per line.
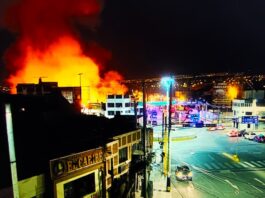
x=149, y=38
x=182, y=36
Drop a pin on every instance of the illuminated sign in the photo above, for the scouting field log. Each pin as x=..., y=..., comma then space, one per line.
x=194, y=117
x=65, y=165
x=250, y=119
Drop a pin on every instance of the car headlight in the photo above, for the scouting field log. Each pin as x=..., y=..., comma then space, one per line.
x=190, y=174
x=179, y=174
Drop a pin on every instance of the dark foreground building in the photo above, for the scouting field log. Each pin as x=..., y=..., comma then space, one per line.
x=60, y=153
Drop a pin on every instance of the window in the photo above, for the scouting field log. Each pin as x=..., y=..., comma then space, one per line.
x=123, y=155
x=80, y=187
x=110, y=104
x=127, y=104
x=118, y=104
x=110, y=96
x=126, y=96
x=118, y=96
x=110, y=112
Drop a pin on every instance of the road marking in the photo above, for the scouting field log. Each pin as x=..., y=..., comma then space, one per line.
x=256, y=188
x=244, y=165
x=215, y=166
x=207, y=166
x=237, y=165
x=256, y=164
x=260, y=162
x=211, y=157
x=251, y=165
x=229, y=165
x=259, y=181
x=222, y=166
x=233, y=185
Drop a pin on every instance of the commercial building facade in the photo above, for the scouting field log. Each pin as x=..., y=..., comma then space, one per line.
x=72, y=150
x=248, y=107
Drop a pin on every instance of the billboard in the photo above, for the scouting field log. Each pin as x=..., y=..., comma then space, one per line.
x=250, y=119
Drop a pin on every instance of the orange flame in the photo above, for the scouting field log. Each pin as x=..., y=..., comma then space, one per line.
x=63, y=61
x=232, y=92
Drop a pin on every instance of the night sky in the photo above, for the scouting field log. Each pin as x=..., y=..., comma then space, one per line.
x=149, y=38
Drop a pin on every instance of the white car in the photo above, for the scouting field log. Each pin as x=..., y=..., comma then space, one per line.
x=250, y=136
x=211, y=129
x=220, y=127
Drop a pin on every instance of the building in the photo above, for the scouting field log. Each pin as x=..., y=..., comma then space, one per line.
x=257, y=94
x=58, y=151
x=248, y=107
x=121, y=105
x=94, y=109
x=72, y=94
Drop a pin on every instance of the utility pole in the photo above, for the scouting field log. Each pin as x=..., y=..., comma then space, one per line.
x=11, y=150
x=144, y=185
x=80, y=84
x=167, y=81
x=169, y=140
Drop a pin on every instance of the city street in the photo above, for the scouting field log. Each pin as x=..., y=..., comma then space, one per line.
x=216, y=173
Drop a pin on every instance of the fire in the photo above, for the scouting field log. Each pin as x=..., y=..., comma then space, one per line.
x=63, y=62
x=49, y=45
x=232, y=91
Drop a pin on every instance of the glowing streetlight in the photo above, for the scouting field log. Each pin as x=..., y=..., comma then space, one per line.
x=167, y=82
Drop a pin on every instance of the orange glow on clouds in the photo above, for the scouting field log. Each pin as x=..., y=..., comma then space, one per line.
x=61, y=62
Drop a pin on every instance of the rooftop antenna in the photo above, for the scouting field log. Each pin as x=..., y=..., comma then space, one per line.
x=40, y=79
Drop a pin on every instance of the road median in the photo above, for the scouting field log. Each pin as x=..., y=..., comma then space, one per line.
x=175, y=139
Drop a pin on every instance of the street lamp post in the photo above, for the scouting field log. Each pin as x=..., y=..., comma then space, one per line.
x=80, y=84
x=168, y=81
x=144, y=185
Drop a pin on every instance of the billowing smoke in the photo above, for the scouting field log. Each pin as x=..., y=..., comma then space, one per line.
x=49, y=43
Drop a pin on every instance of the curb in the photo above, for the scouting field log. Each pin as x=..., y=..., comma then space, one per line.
x=182, y=138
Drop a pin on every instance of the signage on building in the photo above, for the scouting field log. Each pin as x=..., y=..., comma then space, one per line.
x=65, y=165
x=250, y=119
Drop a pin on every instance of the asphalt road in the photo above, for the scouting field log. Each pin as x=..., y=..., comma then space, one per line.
x=215, y=172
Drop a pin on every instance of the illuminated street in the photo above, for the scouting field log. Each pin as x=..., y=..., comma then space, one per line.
x=215, y=172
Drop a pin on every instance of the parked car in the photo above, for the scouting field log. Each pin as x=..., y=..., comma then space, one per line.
x=183, y=173
x=259, y=138
x=250, y=135
x=233, y=133
x=242, y=133
x=212, y=129
x=220, y=127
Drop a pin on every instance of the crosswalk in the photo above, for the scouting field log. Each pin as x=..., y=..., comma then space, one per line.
x=232, y=165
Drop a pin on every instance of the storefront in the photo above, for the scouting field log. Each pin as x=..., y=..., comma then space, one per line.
x=78, y=175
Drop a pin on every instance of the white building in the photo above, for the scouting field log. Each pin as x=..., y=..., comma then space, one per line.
x=121, y=104
x=248, y=107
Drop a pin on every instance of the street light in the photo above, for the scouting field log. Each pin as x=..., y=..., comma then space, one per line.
x=167, y=82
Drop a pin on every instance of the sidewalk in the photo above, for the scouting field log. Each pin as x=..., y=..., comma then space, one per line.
x=159, y=183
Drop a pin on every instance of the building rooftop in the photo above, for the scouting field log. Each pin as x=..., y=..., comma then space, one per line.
x=47, y=127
